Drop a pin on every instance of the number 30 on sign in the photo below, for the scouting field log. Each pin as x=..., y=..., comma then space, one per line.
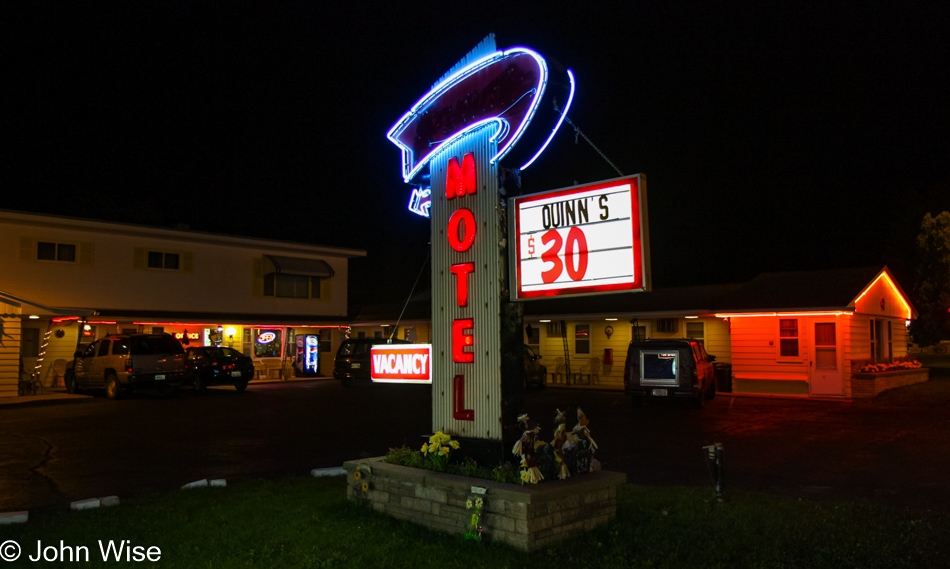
x=588, y=239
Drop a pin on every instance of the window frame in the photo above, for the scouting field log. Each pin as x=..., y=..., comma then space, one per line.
x=314, y=285
x=798, y=341
x=57, y=247
x=579, y=340
x=166, y=255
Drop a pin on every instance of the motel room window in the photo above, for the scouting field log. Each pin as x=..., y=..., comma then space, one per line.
x=667, y=325
x=162, y=260
x=582, y=338
x=64, y=252
x=291, y=286
x=788, y=338
x=697, y=331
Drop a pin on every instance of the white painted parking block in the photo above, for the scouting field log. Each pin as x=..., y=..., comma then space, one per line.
x=14, y=517
x=109, y=501
x=219, y=483
x=196, y=484
x=89, y=504
x=324, y=472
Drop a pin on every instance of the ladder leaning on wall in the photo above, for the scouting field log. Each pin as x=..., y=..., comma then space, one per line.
x=567, y=354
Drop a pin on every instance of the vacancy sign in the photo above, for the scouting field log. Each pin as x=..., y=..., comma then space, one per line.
x=401, y=363
x=588, y=239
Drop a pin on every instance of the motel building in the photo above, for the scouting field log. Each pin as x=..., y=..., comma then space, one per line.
x=66, y=282
x=794, y=334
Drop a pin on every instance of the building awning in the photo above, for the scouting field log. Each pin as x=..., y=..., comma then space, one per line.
x=297, y=266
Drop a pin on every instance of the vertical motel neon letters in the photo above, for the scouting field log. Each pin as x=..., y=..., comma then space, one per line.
x=459, y=182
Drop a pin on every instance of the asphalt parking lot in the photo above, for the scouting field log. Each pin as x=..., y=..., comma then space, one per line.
x=892, y=450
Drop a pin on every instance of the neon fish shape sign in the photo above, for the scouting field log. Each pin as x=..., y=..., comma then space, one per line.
x=502, y=89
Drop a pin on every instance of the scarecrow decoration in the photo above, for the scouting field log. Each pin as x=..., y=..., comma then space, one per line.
x=560, y=437
x=525, y=448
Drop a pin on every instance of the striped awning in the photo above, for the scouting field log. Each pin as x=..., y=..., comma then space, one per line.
x=297, y=266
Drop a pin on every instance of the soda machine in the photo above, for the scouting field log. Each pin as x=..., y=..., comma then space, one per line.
x=307, y=363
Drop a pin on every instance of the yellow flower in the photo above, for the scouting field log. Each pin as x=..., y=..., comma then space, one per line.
x=454, y=444
x=446, y=438
x=425, y=447
x=444, y=451
x=525, y=476
x=468, y=504
x=478, y=503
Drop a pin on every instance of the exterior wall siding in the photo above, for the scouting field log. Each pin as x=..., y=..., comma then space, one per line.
x=9, y=350
x=216, y=274
x=551, y=346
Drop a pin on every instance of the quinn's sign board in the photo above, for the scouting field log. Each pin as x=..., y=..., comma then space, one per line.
x=587, y=239
x=401, y=363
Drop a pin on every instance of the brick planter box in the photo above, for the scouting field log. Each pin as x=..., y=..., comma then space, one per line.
x=526, y=517
x=867, y=385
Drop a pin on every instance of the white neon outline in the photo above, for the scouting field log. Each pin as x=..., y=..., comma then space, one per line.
x=408, y=171
x=570, y=99
x=416, y=205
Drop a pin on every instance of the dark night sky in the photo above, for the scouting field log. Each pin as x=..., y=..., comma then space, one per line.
x=774, y=135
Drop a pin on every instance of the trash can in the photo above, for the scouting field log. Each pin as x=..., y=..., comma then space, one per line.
x=723, y=373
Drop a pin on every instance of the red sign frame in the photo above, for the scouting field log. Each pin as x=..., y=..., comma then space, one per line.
x=637, y=280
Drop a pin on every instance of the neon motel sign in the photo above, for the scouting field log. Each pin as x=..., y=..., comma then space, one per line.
x=483, y=92
x=458, y=132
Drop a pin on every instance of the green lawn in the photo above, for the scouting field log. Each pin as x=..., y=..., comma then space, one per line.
x=307, y=522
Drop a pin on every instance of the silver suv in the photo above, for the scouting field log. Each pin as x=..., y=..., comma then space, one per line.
x=128, y=362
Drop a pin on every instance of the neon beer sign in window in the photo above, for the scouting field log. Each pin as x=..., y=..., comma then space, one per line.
x=267, y=344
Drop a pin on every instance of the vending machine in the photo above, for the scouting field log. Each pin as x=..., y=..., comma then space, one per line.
x=307, y=363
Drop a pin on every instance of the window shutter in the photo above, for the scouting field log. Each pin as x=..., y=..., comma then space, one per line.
x=139, y=255
x=27, y=249
x=85, y=254
x=187, y=262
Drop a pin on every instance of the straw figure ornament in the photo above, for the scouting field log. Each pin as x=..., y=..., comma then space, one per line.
x=525, y=448
x=560, y=437
x=582, y=433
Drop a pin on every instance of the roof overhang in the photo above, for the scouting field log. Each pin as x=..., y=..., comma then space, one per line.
x=300, y=266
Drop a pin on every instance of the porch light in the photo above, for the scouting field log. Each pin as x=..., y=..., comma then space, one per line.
x=34, y=317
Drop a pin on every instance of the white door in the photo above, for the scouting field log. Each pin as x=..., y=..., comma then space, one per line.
x=825, y=364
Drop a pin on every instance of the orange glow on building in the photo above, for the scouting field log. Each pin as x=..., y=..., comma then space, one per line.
x=894, y=289
x=755, y=314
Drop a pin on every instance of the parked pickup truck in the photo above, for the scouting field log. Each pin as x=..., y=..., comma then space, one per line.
x=669, y=369
x=127, y=362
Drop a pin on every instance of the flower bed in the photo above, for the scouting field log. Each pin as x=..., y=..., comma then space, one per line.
x=871, y=383
x=894, y=366
x=526, y=517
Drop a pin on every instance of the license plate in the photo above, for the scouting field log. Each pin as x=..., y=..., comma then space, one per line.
x=355, y=365
x=157, y=377
x=235, y=374
x=659, y=392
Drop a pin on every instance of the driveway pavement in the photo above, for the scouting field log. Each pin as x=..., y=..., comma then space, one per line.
x=892, y=450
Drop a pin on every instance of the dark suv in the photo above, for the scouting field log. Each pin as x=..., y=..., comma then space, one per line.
x=127, y=362
x=669, y=369
x=353, y=358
